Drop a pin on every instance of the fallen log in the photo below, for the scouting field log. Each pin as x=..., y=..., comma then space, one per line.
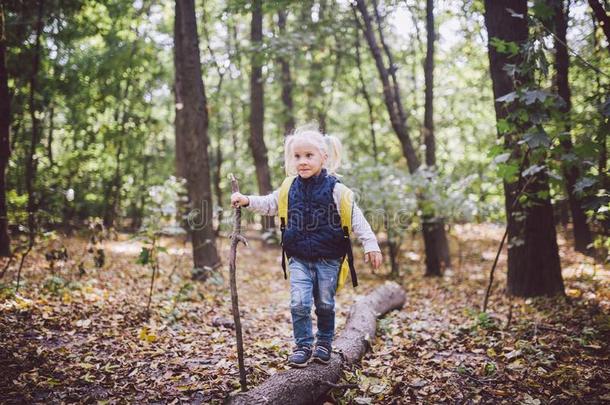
x=304, y=386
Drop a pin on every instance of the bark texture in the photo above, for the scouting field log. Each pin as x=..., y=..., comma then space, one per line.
x=286, y=79
x=392, y=238
x=237, y=237
x=601, y=16
x=192, y=137
x=257, y=110
x=533, y=258
x=390, y=92
x=571, y=170
x=435, y=239
x=429, y=82
x=304, y=386
x=5, y=145
x=431, y=231
x=438, y=227
x=31, y=161
x=218, y=161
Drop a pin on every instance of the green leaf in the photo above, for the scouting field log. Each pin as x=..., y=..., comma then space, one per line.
x=144, y=256
x=504, y=126
x=514, y=14
x=502, y=158
x=495, y=151
x=542, y=10
x=530, y=96
x=533, y=169
x=490, y=368
x=502, y=46
x=508, y=171
x=537, y=139
x=510, y=69
x=584, y=183
x=508, y=98
x=522, y=115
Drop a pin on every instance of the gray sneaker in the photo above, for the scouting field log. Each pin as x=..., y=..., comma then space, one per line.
x=322, y=353
x=300, y=356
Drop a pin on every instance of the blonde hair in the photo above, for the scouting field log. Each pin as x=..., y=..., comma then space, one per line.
x=328, y=145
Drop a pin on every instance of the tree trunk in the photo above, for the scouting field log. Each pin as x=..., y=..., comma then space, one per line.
x=432, y=242
x=392, y=67
x=561, y=211
x=234, y=57
x=192, y=138
x=257, y=111
x=571, y=170
x=304, y=386
x=602, y=168
x=398, y=119
x=31, y=161
x=113, y=192
x=286, y=80
x=393, y=245
x=533, y=258
x=140, y=203
x=365, y=93
x=217, y=188
x=602, y=17
x=317, y=51
x=440, y=237
x=50, y=138
x=429, y=83
x=5, y=148
x=113, y=195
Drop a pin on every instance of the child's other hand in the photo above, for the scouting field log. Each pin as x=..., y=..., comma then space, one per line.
x=239, y=200
x=374, y=258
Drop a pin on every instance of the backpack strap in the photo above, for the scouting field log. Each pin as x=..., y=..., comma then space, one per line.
x=346, y=207
x=282, y=210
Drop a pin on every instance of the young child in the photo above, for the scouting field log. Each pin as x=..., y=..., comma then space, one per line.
x=313, y=239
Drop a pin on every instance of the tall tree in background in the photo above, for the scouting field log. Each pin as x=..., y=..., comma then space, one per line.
x=429, y=83
x=602, y=16
x=32, y=161
x=398, y=119
x=257, y=109
x=216, y=157
x=324, y=54
x=285, y=78
x=571, y=169
x=5, y=146
x=437, y=226
x=113, y=187
x=533, y=259
x=192, y=141
x=392, y=242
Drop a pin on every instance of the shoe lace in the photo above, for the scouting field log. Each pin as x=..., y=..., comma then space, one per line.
x=300, y=349
x=325, y=349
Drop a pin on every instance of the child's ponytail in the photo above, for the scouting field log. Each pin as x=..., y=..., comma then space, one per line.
x=335, y=149
x=288, y=159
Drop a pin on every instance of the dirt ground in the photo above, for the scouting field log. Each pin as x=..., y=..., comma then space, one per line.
x=78, y=333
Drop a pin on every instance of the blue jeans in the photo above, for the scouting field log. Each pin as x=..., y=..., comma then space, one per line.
x=313, y=282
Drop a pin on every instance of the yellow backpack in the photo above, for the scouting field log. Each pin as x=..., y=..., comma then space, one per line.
x=346, y=205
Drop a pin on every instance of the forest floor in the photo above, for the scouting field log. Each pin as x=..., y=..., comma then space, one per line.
x=81, y=335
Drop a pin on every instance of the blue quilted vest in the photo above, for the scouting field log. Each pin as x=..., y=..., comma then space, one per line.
x=313, y=230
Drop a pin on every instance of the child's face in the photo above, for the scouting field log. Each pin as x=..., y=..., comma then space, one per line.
x=308, y=159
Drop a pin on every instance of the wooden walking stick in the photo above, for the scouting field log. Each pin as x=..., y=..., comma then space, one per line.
x=237, y=237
